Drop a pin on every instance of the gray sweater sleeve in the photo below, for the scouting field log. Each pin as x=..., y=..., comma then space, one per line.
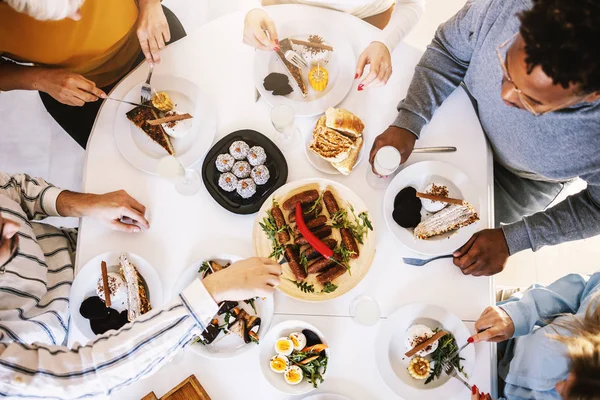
x=442, y=67
x=576, y=217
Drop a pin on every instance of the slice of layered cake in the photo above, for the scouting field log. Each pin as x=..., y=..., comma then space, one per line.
x=450, y=218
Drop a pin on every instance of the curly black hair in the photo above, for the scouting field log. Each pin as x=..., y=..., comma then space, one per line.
x=563, y=38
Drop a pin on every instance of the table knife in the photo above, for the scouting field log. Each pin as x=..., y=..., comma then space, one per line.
x=128, y=102
x=438, y=149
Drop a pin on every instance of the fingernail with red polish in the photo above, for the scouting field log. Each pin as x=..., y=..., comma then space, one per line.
x=277, y=41
x=356, y=76
x=361, y=87
x=474, y=389
x=276, y=49
x=470, y=340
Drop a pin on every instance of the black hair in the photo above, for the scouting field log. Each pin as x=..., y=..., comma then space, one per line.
x=563, y=38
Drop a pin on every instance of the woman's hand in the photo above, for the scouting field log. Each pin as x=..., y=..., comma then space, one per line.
x=256, y=23
x=66, y=87
x=152, y=29
x=494, y=325
x=245, y=279
x=378, y=56
x=479, y=396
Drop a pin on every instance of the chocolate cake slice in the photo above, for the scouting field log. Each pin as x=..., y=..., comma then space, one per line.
x=295, y=72
x=139, y=116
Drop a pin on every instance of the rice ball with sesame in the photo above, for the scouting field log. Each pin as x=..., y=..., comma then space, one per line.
x=246, y=188
x=260, y=174
x=239, y=150
x=224, y=162
x=228, y=182
x=257, y=156
x=241, y=169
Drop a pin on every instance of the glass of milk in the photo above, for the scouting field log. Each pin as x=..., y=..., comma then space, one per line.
x=283, y=120
x=364, y=310
x=386, y=163
x=187, y=180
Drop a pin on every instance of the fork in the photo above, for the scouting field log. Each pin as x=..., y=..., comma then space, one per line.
x=146, y=88
x=419, y=262
x=295, y=59
x=450, y=370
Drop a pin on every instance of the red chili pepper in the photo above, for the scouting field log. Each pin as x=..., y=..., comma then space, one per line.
x=314, y=241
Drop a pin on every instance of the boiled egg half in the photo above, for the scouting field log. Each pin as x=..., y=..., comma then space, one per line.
x=299, y=340
x=284, y=346
x=279, y=363
x=293, y=375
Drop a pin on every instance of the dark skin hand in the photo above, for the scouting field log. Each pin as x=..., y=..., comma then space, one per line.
x=400, y=138
x=484, y=254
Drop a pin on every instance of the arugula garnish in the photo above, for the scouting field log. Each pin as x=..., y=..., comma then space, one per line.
x=269, y=226
x=204, y=269
x=251, y=302
x=329, y=288
x=312, y=370
x=360, y=226
x=304, y=286
x=304, y=261
x=314, y=206
x=446, y=346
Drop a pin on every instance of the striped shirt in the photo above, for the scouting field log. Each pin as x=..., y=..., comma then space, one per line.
x=34, y=313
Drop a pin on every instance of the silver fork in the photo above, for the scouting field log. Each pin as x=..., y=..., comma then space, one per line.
x=146, y=88
x=295, y=59
x=419, y=262
x=451, y=371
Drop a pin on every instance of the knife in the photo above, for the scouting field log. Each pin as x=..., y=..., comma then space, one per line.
x=128, y=102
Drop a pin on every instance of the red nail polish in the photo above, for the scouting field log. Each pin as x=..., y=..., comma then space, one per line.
x=276, y=49
x=474, y=389
x=356, y=76
x=470, y=340
x=277, y=41
x=361, y=87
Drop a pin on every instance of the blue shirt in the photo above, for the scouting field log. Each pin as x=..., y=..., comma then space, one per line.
x=533, y=362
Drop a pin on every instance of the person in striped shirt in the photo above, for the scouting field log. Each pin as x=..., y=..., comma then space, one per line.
x=36, y=272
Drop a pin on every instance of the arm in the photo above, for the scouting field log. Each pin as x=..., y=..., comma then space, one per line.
x=539, y=304
x=36, y=196
x=14, y=76
x=404, y=18
x=112, y=361
x=576, y=217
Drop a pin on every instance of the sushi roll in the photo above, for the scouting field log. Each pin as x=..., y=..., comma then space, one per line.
x=246, y=188
x=241, y=169
x=239, y=150
x=228, y=182
x=224, y=162
x=257, y=156
x=260, y=174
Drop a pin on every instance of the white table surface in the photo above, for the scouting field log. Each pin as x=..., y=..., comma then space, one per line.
x=186, y=229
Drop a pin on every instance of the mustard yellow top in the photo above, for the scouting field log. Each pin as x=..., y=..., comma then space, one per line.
x=101, y=46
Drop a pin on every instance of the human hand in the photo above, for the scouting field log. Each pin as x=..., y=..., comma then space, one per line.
x=244, y=279
x=68, y=88
x=400, y=138
x=152, y=29
x=479, y=396
x=378, y=56
x=255, y=24
x=484, y=254
x=494, y=325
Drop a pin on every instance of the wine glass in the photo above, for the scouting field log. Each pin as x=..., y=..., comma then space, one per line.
x=364, y=310
x=187, y=180
x=283, y=120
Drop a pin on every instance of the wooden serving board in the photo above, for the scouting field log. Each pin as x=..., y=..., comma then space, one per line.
x=189, y=389
x=358, y=267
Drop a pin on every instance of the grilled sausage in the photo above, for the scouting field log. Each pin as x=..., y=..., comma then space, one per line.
x=293, y=259
x=308, y=196
x=330, y=203
x=332, y=273
x=321, y=233
x=322, y=263
x=284, y=236
x=313, y=224
x=310, y=253
x=349, y=241
x=307, y=215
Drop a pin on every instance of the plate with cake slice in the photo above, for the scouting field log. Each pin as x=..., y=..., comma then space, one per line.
x=432, y=227
x=135, y=289
x=180, y=121
x=325, y=80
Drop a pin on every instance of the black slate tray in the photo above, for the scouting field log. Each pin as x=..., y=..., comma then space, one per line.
x=231, y=201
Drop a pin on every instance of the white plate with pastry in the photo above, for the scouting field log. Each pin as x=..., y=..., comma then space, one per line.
x=144, y=286
x=189, y=140
x=417, y=222
x=331, y=72
x=336, y=144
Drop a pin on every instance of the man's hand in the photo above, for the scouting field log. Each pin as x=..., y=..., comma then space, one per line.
x=256, y=23
x=152, y=29
x=494, y=325
x=111, y=208
x=245, y=279
x=378, y=57
x=402, y=139
x=484, y=254
x=66, y=87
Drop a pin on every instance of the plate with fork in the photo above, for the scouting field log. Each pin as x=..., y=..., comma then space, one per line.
x=391, y=346
x=339, y=64
x=141, y=151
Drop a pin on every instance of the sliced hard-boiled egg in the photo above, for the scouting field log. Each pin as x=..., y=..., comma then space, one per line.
x=279, y=363
x=284, y=346
x=293, y=375
x=299, y=340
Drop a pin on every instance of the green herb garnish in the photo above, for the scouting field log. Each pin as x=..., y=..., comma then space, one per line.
x=446, y=346
x=304, y=286
x=360, y=227
x=204, y=269
x=329, y=288
x=251, y=302
x=304, y=261
x=269, y=226
x=312, y=370
x=315, y=205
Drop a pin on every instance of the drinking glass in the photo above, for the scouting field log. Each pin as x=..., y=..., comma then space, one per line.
x=364, y=310
x=187, y=180
x=387, y=162
x=283, y=120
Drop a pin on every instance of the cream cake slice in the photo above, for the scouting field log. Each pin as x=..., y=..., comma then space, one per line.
x=137, y=298
x=450, y=218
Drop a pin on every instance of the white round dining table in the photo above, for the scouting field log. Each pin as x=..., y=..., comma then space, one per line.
x=187, y=229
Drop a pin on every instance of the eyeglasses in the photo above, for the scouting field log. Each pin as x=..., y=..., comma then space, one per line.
x=14, y=247
x=523, y=98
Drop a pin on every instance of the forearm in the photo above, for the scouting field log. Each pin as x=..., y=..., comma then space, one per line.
x=72, y=204
x=20, y=77
x=404, y=18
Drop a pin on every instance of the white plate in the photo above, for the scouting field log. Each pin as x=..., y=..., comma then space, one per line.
x=326, y=396
x=393, y=364
x=143, y=153
x=267, y=351
x=341, y=70
x=420, y=175
x=232, y=345
x=84, y=285
x=323, y=165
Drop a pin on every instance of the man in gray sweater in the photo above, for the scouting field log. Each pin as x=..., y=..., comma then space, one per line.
x=532, y=69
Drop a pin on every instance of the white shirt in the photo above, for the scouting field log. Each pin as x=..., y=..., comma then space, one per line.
x=404, y=18
x=34, y=313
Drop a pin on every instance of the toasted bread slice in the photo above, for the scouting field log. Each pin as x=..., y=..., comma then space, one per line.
x=295, y=72
x=344, y=121
x=137, y=298
x=139, y=116
x=450, y=218
x=346, y=166
x=331, y=145
x=321, y=122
